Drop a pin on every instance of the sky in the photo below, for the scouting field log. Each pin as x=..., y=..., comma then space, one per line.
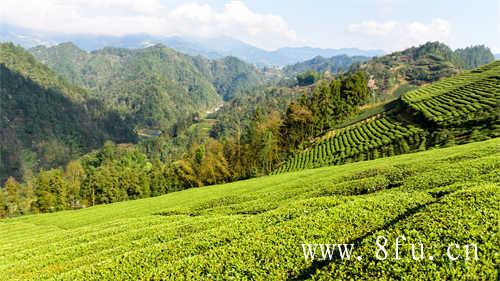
x=388, y=25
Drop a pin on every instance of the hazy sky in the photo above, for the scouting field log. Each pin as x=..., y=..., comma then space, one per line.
x=376, y=24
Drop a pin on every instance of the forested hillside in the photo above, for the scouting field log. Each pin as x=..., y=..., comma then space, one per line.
x=230, y=75
x=320, y=64
x=399, y=72
x=155, y=86
x=44, y=120
x=250, y=136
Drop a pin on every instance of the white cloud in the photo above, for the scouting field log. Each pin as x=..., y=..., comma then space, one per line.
x=120, y=17
x=394, y=35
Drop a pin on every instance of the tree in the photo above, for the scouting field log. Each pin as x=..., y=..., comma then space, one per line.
x=3, y=207
x=103, y=186
x=213, y=168
x=74, y=174
x=265, y=142
x=28, y=198
x=321, y=105
x=475, y=56
x=159, y=182
x=298, y=124
x=186, y=174
x=12, y=200
x=51, y=191
x=355, y=89
x=45, y=199
x=307, y=78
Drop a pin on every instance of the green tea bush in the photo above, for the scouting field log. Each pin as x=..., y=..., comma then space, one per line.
x=253, y=229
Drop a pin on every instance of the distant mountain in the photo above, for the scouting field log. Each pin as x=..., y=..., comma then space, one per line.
x=212, y=48
x=497, y=56
x=44, y=120
x=320, y=64
x=294, y=55
x=280, y=57
x=398, y=72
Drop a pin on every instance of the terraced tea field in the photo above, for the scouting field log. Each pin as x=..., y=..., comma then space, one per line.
x=253, y=229
x=472, y=95
x=364, y=141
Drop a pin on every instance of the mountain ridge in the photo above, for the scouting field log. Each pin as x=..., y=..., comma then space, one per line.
x=212, y=48
x=104, y=72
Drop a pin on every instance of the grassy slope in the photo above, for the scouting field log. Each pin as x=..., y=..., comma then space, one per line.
x=253, y=229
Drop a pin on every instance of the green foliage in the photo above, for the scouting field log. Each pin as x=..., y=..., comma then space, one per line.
x=230, y=76
x=320, y=64
x=12, y=199
x=366, y=140
x=457, y=109
x=419, y=65
x=153, y=87
x=237, y=114
x=475, y=56
x=253, y=229
x=45, y=121
x=328, y=105
x=49, y=122
x=51, y=191
x=469, y=97
x=307, y=77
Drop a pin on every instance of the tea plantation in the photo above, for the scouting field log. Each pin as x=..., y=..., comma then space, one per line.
x=473, y=95
x=464, y=107
x=253, y=229
x=364, y=141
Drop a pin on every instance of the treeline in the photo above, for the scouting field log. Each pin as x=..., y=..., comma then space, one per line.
x=330, y=103
x=112, y=174
x=246, y=142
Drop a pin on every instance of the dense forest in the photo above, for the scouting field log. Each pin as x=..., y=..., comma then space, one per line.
x=45, y=121
x=50, y=116
x=152, y=87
